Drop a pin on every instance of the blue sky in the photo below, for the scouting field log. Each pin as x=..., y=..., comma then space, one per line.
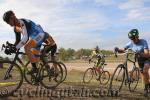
x=82, y=23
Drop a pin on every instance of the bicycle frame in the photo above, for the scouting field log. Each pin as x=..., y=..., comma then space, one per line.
x=126, y=64
x=16, y=58
x=95, y=63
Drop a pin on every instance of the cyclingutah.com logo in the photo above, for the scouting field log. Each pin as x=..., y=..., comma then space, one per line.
x=62, y=92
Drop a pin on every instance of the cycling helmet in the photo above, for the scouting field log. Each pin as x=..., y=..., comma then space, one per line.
x=7, y=15
x=133, y=33
x=96, y=48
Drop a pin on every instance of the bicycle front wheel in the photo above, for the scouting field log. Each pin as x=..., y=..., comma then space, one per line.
x=117, y=78
x=11, y=78
x=88, y=75
x=134, y=79
x=104, y=77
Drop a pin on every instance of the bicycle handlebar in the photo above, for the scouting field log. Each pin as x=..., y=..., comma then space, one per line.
x=8, y=46
x=128, y=52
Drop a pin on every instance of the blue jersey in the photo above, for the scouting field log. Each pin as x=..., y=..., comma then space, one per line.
x=139, y=47
x=30, y=29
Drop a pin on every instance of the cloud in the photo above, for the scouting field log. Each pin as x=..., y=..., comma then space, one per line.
x=65, y=23
x=78, y=23
x=105, y=2
x=136, y=10
x=131, y=4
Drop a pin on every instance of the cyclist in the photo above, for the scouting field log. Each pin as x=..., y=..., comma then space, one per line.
x=141, y=47
x=32, y=36
x=99, y=57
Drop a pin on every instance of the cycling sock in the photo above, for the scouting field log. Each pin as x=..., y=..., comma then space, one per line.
x=146, y=86
x=149, y=85
x=34, y=65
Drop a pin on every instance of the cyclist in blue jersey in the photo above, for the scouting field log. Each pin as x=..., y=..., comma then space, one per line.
x=141, y=47
x=32, y=36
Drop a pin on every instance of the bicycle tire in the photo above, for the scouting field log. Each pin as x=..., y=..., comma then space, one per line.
x=87, y=73
x=64, y=71
x=136, y=77
x=104, y=77
x=119, y=68
x=17, y=78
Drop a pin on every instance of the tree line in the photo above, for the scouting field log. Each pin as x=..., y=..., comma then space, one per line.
x=71, y=54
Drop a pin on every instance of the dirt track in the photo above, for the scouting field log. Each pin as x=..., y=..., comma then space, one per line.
x=75, y=84
x=83, y=66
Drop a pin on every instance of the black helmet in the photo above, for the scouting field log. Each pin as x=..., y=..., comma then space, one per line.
x=96, y=48
x=7, y=15
x=133, y=33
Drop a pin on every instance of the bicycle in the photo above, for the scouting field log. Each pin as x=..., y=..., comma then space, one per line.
x=12, y=74
x=102, y=76
x=121, y=74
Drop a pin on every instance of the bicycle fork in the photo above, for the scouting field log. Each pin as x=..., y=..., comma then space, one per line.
x=38, y=76
x=7, y=75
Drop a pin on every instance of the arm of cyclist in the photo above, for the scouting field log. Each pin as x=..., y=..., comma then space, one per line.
x=93, y=55
x=18, y=37
x=24, y=38
x=146, y=50
x=145, y=54
x=127, y=46
x=119, y=50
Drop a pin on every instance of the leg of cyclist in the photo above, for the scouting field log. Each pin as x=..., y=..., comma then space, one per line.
x=146, y=77
x=31, y=44
x=53, y=50
x=32, y=49
x=98, y=66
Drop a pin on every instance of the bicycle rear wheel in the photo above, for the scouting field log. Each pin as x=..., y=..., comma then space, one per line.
x=88, y=75
x=51, y=75
x=104, y=77
x=134, y=79
x=117, y=78
x=11, y=78
x=64, y=71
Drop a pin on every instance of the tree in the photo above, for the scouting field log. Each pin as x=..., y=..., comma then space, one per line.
x=83, y=53
x=70, y=53
x=62, y=54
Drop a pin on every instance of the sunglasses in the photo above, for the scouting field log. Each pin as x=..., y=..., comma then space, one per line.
x=133, y=38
